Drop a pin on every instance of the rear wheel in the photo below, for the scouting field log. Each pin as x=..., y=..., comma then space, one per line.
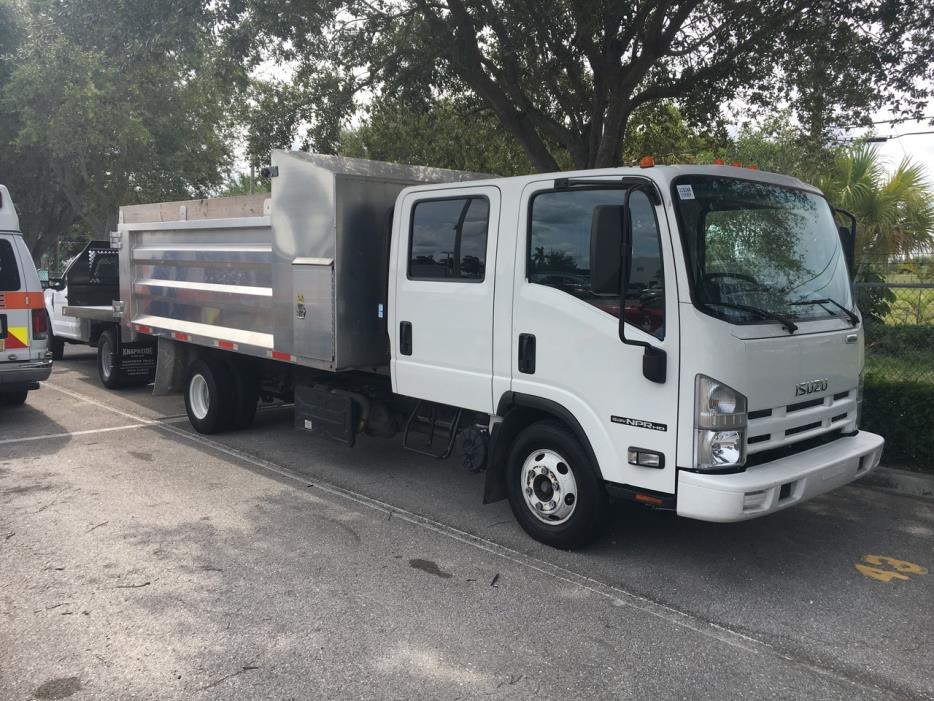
x=554, y=489
x=13, y=398
x=210, y=397
x=108, y=345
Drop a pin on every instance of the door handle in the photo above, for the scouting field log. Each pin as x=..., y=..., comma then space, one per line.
x=405, y=337
x=3, y=327
x=527, y=353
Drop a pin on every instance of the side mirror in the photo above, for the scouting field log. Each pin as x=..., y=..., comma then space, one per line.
x=606, y=249
x=610, y=268
x=848, y=241
x=57, y=284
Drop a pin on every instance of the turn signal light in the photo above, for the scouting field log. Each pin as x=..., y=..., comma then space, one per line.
x=646, y=162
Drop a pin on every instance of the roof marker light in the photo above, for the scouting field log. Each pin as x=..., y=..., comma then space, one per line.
x=646, y=162
x=718, y=162
x=736, y=164
x=753, y=166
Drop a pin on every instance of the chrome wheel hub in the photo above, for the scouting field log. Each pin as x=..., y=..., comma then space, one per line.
x=549, y=487
x=199, y=396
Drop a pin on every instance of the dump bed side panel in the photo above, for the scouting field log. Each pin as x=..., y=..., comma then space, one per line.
x=207, y=281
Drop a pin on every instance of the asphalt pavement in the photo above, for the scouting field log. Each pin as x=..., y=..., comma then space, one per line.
x=141, y=560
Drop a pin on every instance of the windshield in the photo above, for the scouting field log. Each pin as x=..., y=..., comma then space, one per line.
x=770, y=249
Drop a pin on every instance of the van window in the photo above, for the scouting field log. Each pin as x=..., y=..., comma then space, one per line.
x=9, y=270
x=448, y=239
x=559, y=253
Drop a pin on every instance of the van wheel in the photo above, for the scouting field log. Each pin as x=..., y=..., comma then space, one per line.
x=246, y=393
x=108, y=345
x=554, y=489
x=57, y=346
x=13, y=398
x=210, y=398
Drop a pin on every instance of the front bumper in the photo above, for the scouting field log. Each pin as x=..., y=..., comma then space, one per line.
x=19, y=376
x=774, y=486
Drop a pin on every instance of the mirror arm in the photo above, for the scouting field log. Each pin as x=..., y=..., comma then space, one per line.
x=654, y=359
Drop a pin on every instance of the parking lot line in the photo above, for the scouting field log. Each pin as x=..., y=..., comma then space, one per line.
x=68, y=434
x=615, y=594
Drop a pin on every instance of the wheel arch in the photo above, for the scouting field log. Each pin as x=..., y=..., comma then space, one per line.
x=518, y=411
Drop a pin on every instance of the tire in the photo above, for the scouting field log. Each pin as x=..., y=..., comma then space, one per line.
x=210, y=396
x=13, y=398
x=246, y=392
x=107, y=345
x=57, y=346
x=546, y=461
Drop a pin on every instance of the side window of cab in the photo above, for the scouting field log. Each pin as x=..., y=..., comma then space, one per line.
x=559, y=253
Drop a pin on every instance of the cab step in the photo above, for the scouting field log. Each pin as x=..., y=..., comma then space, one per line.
x=436, y=421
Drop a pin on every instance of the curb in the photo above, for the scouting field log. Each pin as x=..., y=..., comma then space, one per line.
x=900, y=481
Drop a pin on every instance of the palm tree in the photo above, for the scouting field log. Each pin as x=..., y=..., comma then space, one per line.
x=895, y=211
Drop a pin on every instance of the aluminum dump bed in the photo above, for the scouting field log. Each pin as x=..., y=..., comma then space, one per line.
x=298, y=275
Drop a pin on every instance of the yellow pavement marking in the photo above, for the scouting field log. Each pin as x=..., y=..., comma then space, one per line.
x=872, y=566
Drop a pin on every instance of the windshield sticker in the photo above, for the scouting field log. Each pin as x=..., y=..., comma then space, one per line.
x=685, y=192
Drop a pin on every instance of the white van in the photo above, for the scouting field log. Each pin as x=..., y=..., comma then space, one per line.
x=24, y=324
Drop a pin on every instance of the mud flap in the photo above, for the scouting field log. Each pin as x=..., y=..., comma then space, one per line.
x=135, y=363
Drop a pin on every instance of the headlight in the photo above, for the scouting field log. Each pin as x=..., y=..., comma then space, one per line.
x=720, y=425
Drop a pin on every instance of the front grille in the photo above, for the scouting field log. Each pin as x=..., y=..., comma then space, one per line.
x=792, y=448
x=776, y=427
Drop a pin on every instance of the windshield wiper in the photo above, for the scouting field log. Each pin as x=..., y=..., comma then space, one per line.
x=762, y=313
x=853, y=319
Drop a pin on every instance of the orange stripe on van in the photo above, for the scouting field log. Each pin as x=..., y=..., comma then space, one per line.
x=21, y=300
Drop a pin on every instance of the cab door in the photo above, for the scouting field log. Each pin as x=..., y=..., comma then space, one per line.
x=580, y=363
x=441, y=320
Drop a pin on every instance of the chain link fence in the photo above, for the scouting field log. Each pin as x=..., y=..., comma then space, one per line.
x=900, y=344
x=896, y=299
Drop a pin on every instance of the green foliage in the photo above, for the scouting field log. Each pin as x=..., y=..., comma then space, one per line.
x=570, y=76
x=240, y=184
x=440, y=133
x=874, y=303
x=895, y=211
x=898, y=400
x=902, y=413
x=110, y=103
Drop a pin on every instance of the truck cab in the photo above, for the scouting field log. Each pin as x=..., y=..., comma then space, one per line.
x=681, y=336
x=91, y=279
x=24, y=324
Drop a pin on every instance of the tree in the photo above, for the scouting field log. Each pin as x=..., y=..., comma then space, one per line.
x=568, y=75
x=112, y=103
x=894, y=211
x=441, y=133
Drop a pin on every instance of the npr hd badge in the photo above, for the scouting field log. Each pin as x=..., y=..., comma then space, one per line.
x=638, y=423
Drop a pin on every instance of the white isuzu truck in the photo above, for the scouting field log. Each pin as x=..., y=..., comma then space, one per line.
x=680, y=336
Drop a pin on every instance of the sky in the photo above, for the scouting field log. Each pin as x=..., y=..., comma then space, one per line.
x=919, y=148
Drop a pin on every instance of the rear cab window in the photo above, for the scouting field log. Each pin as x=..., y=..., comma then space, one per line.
x=448, y=239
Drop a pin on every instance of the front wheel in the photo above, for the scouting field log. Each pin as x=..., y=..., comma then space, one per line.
x=57, y=347
x=554, y=489
x=13, y=398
